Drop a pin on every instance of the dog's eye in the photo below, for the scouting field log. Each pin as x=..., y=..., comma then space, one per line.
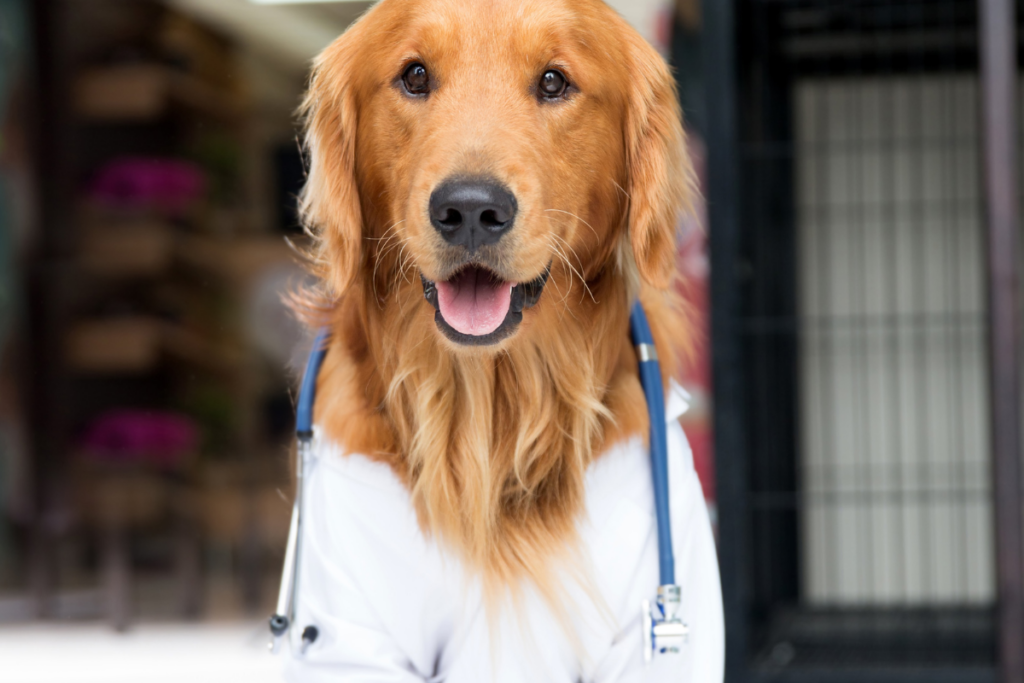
x=416, y=79
x=553, y=84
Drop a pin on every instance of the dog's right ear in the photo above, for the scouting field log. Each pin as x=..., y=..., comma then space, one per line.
x=330, y=206
x=660, y=179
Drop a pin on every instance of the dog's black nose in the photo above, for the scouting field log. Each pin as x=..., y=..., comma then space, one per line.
x=472, y=212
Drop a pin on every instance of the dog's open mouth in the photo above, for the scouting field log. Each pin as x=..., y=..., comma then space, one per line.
x=477, y=308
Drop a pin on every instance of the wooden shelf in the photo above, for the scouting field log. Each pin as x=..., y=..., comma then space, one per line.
x=137, y=345
x=141, y=249
x=235, y=261
x=129, y=345
x=144, y=92
x=190, y=347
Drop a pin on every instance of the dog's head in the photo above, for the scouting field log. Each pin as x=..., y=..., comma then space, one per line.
x=485, y=149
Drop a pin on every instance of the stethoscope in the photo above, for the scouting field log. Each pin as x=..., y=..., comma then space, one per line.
x=663, y=629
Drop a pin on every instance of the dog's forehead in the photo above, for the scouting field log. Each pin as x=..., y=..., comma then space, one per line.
x=508, y=30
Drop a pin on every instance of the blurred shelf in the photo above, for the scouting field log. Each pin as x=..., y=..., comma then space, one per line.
x=241, y=497
x=145, y=92
x=125, y=497
x=237, y=260
x=129, y=345
x=191, y=347
x=137, y=345
x=142, y=249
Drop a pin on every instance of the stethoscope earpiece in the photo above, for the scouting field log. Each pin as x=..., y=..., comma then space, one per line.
x=309, y=636
x=278, y=627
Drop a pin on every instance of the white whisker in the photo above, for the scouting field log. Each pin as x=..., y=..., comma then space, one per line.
x=384, y=249
x=578, y=272
x=558, y=253
x=626, y=194
x=568, y=213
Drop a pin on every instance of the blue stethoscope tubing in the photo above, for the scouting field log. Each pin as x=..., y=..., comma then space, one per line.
x=307, y=391
x=654, y=391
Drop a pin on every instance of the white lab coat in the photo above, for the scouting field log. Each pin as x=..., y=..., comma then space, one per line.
x=392, y=606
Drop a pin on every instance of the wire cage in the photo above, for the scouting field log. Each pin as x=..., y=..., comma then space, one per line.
x=850, y=332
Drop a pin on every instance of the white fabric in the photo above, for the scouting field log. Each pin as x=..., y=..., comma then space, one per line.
x=392, y=606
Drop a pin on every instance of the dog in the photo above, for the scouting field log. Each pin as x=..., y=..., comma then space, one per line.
x=491, y=184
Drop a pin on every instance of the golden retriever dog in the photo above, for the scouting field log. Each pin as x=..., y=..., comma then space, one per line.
x=491, y=184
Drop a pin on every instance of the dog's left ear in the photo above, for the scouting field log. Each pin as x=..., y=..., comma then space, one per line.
x=659, y=173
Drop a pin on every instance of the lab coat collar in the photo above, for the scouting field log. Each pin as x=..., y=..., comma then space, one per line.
x=677, y=403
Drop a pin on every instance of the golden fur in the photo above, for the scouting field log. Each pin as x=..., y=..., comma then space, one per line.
x=493, y=442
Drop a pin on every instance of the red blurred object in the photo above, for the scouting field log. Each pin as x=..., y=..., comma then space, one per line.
x=170, y=185
x=696, y=375
x=127, y=436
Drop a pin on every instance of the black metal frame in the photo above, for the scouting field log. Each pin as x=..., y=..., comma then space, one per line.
x=750, y=63
x=999, y=78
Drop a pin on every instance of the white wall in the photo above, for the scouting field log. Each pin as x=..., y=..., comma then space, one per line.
x=643, y=14
x=291, y=33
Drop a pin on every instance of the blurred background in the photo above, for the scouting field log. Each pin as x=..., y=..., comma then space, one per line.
x=839, y=273
x=863, y=200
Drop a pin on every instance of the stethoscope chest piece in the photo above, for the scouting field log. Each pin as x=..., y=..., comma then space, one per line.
x=664, y=632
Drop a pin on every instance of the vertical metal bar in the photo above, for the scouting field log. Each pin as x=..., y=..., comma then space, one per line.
x=42, y=283
x=724, y=236
x=998, y=55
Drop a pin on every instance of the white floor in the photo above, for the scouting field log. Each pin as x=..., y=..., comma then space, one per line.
x=172, y=653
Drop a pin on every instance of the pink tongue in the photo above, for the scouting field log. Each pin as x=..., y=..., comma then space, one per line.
x=473, y=302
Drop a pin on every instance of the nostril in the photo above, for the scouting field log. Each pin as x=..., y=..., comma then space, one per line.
x=452, y=219
x=489, y=220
